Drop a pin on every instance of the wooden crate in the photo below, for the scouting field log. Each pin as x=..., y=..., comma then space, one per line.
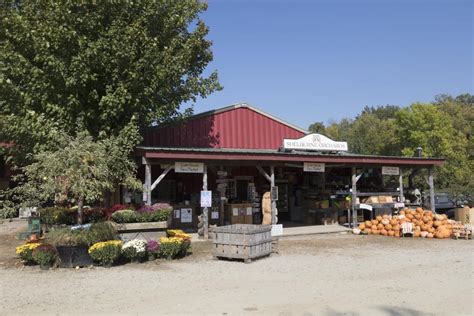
x=242, y=241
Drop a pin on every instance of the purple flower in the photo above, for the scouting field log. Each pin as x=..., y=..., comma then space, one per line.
x=161, y=206
x=152, y=246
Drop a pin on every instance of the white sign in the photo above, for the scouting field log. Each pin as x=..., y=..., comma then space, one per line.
x=248, y=211
x=189, y=167
x=186, y=215
x=392, y=171
x=177, y=213
x=214, y=215
x=314, y=167
x=206, y=198
x=277, y=230
x=314, y=142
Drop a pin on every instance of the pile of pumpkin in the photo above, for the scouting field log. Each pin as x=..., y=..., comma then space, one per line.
x=425, y=224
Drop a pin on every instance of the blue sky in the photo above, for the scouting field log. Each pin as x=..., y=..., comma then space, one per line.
x=307, y=61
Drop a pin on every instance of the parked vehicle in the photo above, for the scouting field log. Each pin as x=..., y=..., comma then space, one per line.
x=444, y=203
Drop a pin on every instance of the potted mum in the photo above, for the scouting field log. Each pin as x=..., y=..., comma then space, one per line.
x=44, y=255
x=134, y=250
x=106, y=252
x=25, y=252
x=153, y=249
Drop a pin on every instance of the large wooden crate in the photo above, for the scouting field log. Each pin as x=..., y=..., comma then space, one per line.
x=242, y=241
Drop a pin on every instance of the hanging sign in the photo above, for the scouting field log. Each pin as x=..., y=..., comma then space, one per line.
x=314, y=167
x=206, y=198
x=391, y=171
x=189, y=167
x=274, y=192
x=186, y=215
x=314, y=142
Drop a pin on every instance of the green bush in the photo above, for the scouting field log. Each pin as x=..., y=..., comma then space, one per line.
x=83, y=236
x=155, y=216
x=58, y=216
x=125, y=216
x=106, y=252
x=44, y=255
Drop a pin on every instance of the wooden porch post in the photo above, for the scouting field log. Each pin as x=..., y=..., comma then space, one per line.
x=432, y=192
x=354, y=197
x=147, y=184
x=402, y=197
x=272, y=185
x=204, y=211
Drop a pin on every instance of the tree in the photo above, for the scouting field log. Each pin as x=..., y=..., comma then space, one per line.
x=80, y=170
x=97, y=64
x=317, y=127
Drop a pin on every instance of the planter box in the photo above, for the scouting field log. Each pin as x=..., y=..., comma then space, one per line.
x=242, y=241
x=73, y=256
x=151, y=230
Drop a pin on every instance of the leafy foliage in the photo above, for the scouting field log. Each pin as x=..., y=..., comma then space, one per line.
x=44, y=254
x=82, y=237
x=106, y=252
x=130, y=216
x=443, y=128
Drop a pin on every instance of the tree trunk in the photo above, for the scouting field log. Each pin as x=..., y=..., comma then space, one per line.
x=80, y=205
x=107, y=196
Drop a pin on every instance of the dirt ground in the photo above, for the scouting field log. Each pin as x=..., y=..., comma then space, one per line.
x=318, y=275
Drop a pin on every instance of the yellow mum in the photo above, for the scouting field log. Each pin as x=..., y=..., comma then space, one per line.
x=27, y=246
x=102, y=244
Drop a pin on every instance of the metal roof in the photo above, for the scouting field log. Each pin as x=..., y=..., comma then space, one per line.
x=233, y=107
x=258, y=154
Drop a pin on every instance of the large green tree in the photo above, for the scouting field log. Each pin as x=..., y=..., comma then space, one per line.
x=94, y=65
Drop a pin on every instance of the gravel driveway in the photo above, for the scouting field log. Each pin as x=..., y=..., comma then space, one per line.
x=321, y=275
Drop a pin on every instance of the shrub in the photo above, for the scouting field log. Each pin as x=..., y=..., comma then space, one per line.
x=113, y=209
x=44, y=254
x=94, y=215
x=154, y=216
x=134, y=249
x=85, y=235
x=171, y=247
x=125, y=216
x=162, y=206
x=58, y=216
x=153, y=248
x=25, y=251
x=106, y=252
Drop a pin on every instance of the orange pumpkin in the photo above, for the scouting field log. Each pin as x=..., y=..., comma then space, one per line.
x=375, y=232
x=419, y=210
x=368, y=224
x=375, y=222
x=391, y=233
x=379, y=218
x=384, y=232
x=417, y=233
x=402, y=212
x=362, y=226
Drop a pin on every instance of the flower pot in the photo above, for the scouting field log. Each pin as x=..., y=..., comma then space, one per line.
x=151, y=257
x=73, y=256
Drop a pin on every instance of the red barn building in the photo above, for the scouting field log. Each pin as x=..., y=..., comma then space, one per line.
x=239, y=153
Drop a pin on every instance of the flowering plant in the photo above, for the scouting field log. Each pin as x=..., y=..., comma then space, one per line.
x=172, y=247
x=178, y=233
x=44, y=254
x=152, y=246
x=106, y=252
x=134, y=249
x=25, y=251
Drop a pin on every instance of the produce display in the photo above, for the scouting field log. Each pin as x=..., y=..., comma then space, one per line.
x=426, y=224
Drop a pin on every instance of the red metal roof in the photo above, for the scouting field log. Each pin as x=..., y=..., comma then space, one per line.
x=237, y=126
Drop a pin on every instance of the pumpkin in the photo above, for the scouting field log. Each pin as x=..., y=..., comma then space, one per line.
x=380, y=226
x=418, y=216
x=391, y=233
x=396, y=227
x=425, y=219
x=417, y=233
x=429, y=213
x=424, y=234
x=397, y=234
x=375, y=222
x=384, y=232
x=402, y=212
x=437, y=223
x=424, y=228
x=385, y=221
x=379, y=218
x=419, y=210
x=430, y=235
x=444, y=216
x=438, y=217
x=368, y=224
x=375, y=232
x=393, y=222
x=447, y=233
x=362, y=226
x=439, y=235
x=432, y=230
x=388, y=227
x=410, y=216
x=429, y=224
x=367, y=231
x=385, y=216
